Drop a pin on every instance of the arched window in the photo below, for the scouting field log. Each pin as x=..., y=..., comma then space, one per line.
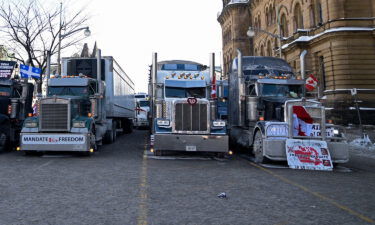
x=255, y=51
x=319, y=13
x=284, y=26
x=269, y=48
x=262, y=50
x=298, y=17
x=269, y=17
x=259, y=22
x=312, y=16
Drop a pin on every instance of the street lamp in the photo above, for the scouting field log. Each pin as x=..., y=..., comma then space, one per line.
x=87, y=33
x=251, y=33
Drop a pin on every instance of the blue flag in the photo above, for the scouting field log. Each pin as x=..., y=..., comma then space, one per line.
x=28, y=71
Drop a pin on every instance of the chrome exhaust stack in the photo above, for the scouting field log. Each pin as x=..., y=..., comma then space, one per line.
x=241, y=89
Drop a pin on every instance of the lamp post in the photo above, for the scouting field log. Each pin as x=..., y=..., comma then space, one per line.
x=61, y=36
x=251, y=33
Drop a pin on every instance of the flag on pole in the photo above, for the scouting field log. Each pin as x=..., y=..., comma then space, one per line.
x=311, y=83
x=213, y=91
x=28, y=71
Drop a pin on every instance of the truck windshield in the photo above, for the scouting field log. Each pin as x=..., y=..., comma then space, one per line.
x=73, y=91
x=264, y=72
x=277, y=90
x=182, y=67
x=144, y=103
x=175, y=92
x=5, y=91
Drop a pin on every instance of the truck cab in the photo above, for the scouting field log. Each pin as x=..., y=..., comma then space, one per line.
x=15, y=107
x=65, y=118
x=264, y=98
x=142, y=112
x=184, y=116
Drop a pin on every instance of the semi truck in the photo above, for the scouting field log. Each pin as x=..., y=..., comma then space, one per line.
x=184, y=117
x=15, y=106
x=89, y=103
x=142, y=112
x=264, y=99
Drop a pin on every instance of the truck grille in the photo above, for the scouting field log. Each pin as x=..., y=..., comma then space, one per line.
x=54, y=117
x=191, y=117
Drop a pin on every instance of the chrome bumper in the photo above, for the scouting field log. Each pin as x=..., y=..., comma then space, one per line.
x=274, y=149
x=54, y=142
x=201, y=143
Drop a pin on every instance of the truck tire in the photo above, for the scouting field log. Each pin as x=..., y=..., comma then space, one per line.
x=93, y=144
x=258, y=148
x=5, y=141
x=109, y=136
x=4, y=146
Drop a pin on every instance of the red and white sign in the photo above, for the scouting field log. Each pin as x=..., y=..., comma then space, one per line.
x=192, y=101
x=311, y=83
x=308, y=155
x=53, y=139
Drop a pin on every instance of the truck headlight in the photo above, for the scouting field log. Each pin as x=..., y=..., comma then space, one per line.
x=79, y=124
x=164, y=123
x=31, y=124
x=218, y=123
x=277, y=130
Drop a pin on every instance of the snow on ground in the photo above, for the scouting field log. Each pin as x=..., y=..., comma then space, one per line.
x=362, y=145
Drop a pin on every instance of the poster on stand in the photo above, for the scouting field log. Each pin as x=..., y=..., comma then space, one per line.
x=6, y=69
x=308, y=155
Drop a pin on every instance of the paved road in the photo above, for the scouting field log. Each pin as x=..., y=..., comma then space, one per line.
x=123, y=185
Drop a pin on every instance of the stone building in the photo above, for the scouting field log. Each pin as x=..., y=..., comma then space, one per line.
x=339, y=37
x=234, y=20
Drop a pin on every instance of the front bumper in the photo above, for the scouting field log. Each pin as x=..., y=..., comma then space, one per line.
x=274, y=149
x=199, y=143
x=55, y=142
x=141, y=123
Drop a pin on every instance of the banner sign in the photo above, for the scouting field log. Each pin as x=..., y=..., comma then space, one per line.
x=53, y=139
x=308, y=155
x=6, y=69
x=316, y=132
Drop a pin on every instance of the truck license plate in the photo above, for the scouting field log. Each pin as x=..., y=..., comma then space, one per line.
x=191, y=148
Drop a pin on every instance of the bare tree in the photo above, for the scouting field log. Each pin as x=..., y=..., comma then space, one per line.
x=30, y=29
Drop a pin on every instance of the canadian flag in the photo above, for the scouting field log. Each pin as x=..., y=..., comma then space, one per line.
x=311, y=83
x=213, y=91
x=302, y=121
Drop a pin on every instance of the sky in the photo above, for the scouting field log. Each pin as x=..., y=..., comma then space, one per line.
x=131, y=30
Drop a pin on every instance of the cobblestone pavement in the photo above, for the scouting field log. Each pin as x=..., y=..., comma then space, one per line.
x=123, y=184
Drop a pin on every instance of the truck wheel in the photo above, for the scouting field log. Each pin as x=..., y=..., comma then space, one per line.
x=128, y=127
x=93, y=141
x=258, y=148
x=4, y=145
x=109, y=137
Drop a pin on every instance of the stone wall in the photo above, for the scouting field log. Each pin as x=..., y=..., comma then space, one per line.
x=339, y=37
